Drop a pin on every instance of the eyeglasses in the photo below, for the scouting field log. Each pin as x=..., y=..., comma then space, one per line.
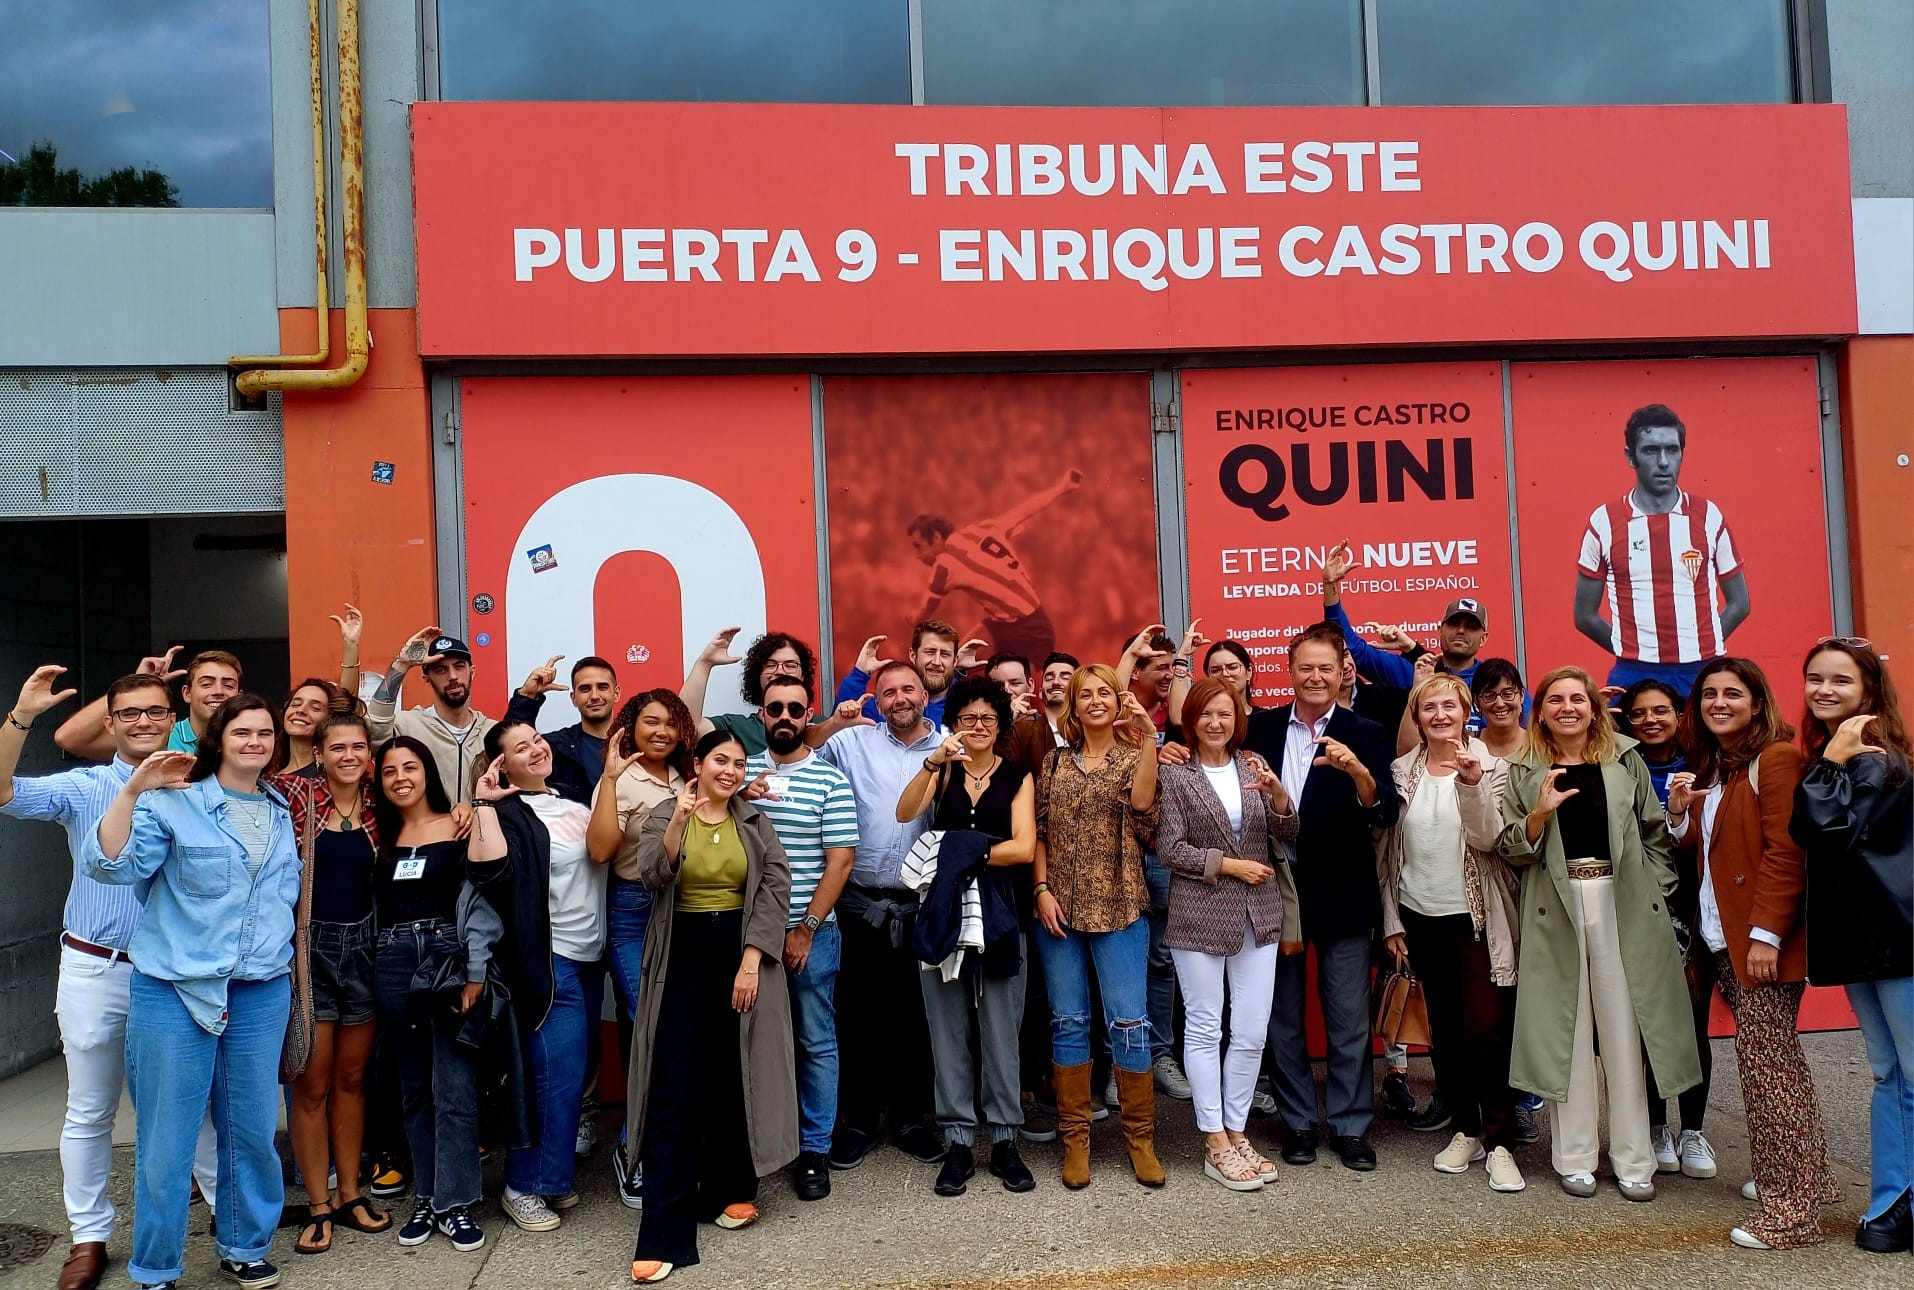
x=1852, y=642
x=129, y=715
x=976, y=721
x=778, y=707
x=1502, y=696
x=785, y=667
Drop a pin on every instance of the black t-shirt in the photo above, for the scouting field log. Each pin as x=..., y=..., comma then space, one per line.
x=990, y=813
x=341, y=875
x=418, y=883
x=1583, y=818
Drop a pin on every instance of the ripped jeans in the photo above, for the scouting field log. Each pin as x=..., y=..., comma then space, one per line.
x=1121, y=961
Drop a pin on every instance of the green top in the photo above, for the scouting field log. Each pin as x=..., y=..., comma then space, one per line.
x=712, y=880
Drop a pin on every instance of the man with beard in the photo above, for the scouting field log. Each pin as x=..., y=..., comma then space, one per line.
x=814, y=811
x=578, y=750
x=882, y=1037
x=1040, y=728
x=934, y=654
x=449, y=725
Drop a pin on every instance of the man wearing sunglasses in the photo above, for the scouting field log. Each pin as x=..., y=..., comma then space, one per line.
x=814, y=811
x=97, y=924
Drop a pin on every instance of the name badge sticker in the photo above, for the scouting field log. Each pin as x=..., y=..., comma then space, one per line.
x=408, y=868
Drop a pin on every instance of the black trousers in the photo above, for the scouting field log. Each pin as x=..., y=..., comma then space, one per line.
x=882, y=1042
x=1694, y=1101
x=1472, y=1021
x=696, y=1152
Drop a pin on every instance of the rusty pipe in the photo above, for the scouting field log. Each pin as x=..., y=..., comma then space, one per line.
x=324, y=293
x=352, y=172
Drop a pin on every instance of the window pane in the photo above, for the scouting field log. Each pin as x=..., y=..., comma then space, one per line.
x=181, y=88
x=1615, y=51
x=1117, y=53
x=669, y=51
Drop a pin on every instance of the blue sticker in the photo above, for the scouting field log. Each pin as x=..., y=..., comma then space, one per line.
x=382, y=472
x=542, y=558
x=483, y=639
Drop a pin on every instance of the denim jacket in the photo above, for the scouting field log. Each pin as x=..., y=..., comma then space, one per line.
x=207, y=921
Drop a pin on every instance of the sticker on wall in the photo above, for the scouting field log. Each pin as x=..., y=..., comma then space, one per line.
x=483, y=639
x=637, y=654
x=482, y=603
x=543, y=561
x=382, y=472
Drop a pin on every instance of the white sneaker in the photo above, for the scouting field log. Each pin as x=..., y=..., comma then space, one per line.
x=1748, y=1240
x=528, y=1211
x=1262, y=1101
x=1110, y=1096
x=1667, y=1159
x=1504, y=1175
x=1748, y=1191
x=1697, y=1157
x=1169, y=1080
x=1582, y=1185
x=1461, y=1152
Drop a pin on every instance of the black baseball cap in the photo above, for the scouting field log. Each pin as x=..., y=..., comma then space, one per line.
x=450, y=646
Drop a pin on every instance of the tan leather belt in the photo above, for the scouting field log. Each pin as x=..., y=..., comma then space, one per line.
x=1591, y=869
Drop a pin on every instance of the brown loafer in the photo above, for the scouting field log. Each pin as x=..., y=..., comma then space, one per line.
x=84, y=1266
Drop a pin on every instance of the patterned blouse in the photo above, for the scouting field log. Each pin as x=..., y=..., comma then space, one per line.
x=1094, y=838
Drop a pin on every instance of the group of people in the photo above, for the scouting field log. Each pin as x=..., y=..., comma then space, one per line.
x=896, y=915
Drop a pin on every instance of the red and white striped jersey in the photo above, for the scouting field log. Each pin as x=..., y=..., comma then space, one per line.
x=1663, y=573
x=979, y=559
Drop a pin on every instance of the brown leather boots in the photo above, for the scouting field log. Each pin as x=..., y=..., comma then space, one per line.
x=1136, y=1090
x=1073, y=1121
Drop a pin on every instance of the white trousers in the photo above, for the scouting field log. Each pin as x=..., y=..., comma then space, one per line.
x=1222, y=1085
x=91, y=1006
x=1602, y=1006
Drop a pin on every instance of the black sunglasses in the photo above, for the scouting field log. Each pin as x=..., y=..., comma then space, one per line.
x=778, y=707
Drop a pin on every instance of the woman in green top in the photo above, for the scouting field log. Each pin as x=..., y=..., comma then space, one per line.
x=712, y=1103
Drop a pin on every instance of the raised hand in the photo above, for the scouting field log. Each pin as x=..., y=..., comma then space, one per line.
x=972, y=652
x=1193, y=639
x=688, y=802
x=161, y=665
x=1130, y=710
x=718, y=652
x=1681, y=793
x=1552, y=797
x=759, y=789
x=164, y=769
x=1336, y=563
x=851, y=712
x=412, y=653
x=1338, y=754
x=1140, y=647
x=1468, y=766
x=619, y=754
x=1425, y=666
x=1270, y=785
x=1073, y=478
x=351, y=624
x=1850, y=738
x=952, y=749
x=1024, y=705
x=494, y=784
x=543, y=679
x=867, y=658
x=38, y=694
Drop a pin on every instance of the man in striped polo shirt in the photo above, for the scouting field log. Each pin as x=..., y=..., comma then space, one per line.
x=815, y=814
x=1675, y=584
x=98, y=922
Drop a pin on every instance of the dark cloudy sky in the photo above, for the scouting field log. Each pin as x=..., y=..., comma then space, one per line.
x=179, y=85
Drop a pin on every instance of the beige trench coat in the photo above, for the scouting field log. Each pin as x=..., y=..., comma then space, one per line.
x=765, y=1051
x=1551, y=960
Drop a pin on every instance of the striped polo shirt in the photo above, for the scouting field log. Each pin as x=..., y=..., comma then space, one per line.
x=1663, y=573
x=980, y=560
x=815, y=809
x=97, y=912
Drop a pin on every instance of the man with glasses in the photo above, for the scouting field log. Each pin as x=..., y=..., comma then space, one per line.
x=810, y=804
x=772, y=655
x=98, y=922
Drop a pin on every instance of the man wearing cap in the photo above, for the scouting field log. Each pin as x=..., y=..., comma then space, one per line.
x=1464, y=630
x=448, y=725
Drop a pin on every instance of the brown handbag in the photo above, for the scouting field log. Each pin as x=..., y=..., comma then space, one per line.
x=297, y=1050
x=1402, y=1013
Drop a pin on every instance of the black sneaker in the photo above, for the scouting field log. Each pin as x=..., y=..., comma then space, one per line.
x=849, y=1147
x=1431, y=1118
x=418, y=1228
x=811, y=1176
x=631, y=1178
x=1396, y=1098
x=466, y=1234
x=1006, y=1164
x=959, y=1168
x=252, y=1274
x=1527, y=1130
x=388, y=1180
x=920, y=1142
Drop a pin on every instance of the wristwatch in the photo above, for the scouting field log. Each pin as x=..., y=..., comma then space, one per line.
x=812, y=922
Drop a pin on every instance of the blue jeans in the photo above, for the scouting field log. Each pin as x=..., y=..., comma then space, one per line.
x=1885, y=1010
x=1162, y=968
x=438, y=1076
x=1121, y=960
x=559, y=1053
x=1682, y=676
x=814, y=1023
x=629, y=914
x=173, y=1068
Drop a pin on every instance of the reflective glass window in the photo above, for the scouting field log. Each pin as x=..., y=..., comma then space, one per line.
x=738, y=51
x=1111, y=53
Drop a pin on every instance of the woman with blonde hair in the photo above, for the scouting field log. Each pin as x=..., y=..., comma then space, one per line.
x=1448, y=907
x=1586, y=830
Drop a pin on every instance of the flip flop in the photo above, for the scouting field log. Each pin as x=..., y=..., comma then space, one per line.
x=368, y=1220
x=317, y=1226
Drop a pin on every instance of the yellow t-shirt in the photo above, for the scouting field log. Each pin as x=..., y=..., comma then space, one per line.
x=712, y=878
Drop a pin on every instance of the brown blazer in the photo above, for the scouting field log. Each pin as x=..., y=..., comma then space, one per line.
x=1754, y=866
x=1208, y=911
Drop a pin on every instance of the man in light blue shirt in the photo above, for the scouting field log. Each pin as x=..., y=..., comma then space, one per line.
x=98, y=926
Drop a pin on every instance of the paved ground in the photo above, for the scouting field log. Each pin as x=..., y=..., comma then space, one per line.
x=1318, y=1226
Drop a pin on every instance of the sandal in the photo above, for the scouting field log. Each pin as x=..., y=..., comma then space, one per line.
x=370, y=1220
x=316, y=1236
x=1228, y=1167
x=1265, y=1169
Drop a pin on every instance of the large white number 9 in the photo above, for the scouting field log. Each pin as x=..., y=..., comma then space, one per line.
x=857, y=251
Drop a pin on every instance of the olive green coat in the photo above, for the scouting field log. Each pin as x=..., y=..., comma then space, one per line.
x=1550, y=968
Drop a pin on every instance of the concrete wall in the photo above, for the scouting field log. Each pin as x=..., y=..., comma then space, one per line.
x=60, y=570
x=1871, y=67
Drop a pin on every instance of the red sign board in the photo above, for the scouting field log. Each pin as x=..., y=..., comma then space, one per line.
x=714, y=229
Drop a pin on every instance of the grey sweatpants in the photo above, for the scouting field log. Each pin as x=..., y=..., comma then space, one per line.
x=997, y=1003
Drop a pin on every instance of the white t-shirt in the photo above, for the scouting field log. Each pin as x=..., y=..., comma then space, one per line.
x=575, y=898
x=1432, y=850
x=1228, y=786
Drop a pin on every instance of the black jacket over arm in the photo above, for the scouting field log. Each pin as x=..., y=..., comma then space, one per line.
x=516, y=888
x=1335, y=866
x=1856, y=823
